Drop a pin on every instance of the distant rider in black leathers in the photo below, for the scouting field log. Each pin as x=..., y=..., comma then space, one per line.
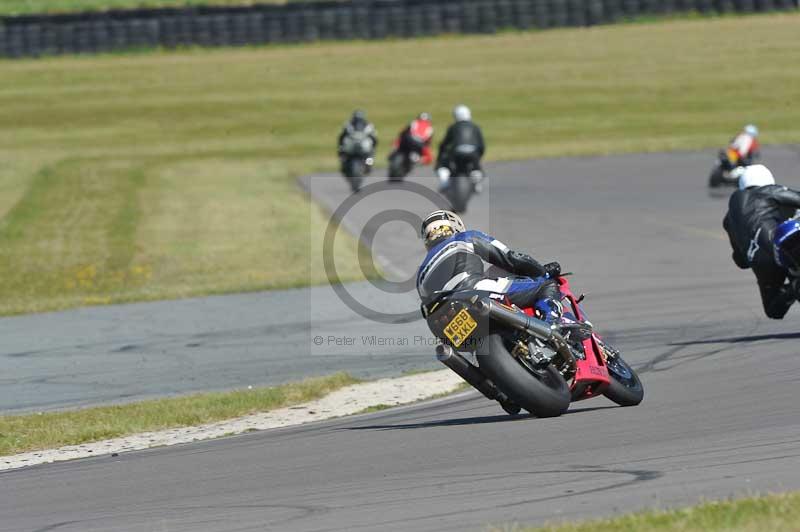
x=358, y=122
x=455, y=261
x=463, y=135
x=754, y=211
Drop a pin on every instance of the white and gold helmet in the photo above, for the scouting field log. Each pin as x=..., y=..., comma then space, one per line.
x=439, y=225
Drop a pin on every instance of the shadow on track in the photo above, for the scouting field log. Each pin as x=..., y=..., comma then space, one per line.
x=742, y=339
x=475, y=420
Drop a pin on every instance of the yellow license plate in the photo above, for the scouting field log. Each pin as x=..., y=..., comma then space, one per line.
x=460, y=327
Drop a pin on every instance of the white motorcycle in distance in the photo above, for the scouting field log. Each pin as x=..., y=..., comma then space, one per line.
x=358, y=156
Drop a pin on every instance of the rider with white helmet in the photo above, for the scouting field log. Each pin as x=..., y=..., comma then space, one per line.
x=456, y=258
x=754, y=213
x=463, y=144
x=756, y=175
x=461, y=113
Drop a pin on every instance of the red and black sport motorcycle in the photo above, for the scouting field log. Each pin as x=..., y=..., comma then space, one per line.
x=412, y=146
x=523, y=362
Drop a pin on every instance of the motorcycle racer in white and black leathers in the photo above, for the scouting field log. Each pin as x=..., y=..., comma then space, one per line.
x=754, y=211
x=455, y=261
x=463, y=139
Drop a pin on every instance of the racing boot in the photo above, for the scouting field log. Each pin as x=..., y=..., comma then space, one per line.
x=510, y=407
x=443, y=173
x=794, y=282
x=477, y=180
x=779, y=305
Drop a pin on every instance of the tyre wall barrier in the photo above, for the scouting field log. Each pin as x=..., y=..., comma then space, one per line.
x=39, y=35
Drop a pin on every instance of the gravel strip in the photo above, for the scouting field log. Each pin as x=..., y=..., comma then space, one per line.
x=346, y=401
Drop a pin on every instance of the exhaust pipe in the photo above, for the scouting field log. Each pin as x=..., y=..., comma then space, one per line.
x=447, y=356
x=518, y=320
x=523, y=322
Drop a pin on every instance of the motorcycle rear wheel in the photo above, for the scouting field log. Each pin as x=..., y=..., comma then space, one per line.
x=397, y=166
x=459, y=192
x=542, y=392
x=625, y=388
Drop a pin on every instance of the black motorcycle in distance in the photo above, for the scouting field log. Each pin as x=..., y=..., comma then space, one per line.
x=728, y=169
x=464, y=168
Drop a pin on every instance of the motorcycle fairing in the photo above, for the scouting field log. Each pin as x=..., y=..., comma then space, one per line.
x=591, y=374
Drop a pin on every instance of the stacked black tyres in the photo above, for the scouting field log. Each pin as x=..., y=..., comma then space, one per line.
x=295, y=22
x=522, y=14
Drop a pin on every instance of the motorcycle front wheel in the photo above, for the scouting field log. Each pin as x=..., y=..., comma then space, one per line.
x=397, y=166
x=625, y=388
x=355, y=169
x=542, y=392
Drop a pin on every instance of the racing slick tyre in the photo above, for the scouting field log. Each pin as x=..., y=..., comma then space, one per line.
x=397, y=166
x=355, y=169
x=624, y=387
x=459, y=192
x=715, y=179
x=355, y=183
x=542, y=392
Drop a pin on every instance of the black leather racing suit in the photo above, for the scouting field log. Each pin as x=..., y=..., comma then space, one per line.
x=462, y=135
x=457, y=263
x=753, y=214
x=358, y=125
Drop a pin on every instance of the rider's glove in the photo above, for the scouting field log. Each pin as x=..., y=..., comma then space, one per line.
x=552, y=269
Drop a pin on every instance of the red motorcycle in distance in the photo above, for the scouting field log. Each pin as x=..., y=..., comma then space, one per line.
x=523, y=362
x=412, y=146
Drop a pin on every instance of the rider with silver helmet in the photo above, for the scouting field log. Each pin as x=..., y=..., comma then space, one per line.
x=760, y=241
x=463, y=139
x=455, y=261
x=358, y=124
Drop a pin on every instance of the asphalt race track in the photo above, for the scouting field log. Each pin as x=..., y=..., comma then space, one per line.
x=643, y=236
x=132, y=352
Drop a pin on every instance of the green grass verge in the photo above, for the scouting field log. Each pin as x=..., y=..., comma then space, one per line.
x=164, y=175
x=774, y=513
x=376, y=408
x=419, y=371
x=55, y=429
